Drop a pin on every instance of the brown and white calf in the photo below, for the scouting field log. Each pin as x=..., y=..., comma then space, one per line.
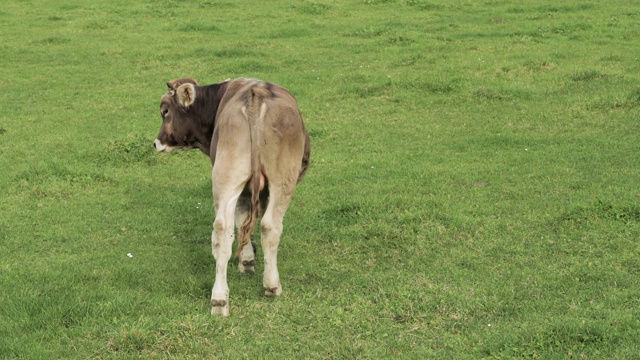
x=259, y=148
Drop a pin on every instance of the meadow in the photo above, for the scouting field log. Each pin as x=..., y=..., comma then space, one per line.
x=473, y=189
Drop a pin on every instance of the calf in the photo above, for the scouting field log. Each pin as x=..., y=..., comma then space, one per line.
x=259, y=148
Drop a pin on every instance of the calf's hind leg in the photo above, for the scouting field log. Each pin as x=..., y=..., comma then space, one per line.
x=271, y=227
x=228, y=183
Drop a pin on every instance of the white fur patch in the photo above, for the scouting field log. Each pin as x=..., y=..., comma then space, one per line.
x=263, y=110
x=162, y=147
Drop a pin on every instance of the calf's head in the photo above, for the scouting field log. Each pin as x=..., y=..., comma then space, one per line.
x=178, y=128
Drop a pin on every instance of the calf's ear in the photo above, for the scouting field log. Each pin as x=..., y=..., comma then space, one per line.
x=186, y=94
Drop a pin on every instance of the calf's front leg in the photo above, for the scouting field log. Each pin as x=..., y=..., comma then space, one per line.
x=246, y=263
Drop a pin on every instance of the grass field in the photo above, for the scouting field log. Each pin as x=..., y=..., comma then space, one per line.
x=473, y=191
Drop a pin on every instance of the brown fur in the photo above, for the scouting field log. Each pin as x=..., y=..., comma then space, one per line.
x=193, y=121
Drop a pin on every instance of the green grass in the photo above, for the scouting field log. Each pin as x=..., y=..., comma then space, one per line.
x=473, y=191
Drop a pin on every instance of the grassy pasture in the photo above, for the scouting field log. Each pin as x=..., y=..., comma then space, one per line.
x=473, y=190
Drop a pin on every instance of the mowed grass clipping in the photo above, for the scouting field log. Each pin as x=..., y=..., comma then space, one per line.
x=473, y=191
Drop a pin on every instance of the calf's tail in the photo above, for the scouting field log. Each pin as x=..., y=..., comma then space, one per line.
x=255, y=112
